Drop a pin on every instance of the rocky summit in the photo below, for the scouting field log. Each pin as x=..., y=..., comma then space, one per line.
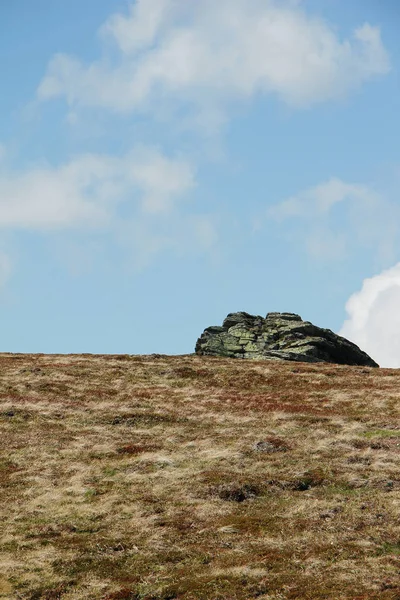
x=279, y=336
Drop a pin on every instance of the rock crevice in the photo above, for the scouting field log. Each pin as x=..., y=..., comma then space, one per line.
x=279, y=336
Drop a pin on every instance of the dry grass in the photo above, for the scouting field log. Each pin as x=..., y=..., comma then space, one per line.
x=159, y=477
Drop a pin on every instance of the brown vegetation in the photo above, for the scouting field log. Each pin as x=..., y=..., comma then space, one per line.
x=160, y=477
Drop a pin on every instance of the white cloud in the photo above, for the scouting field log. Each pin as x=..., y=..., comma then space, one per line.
x=86, y=190
x=319, y=200
x=161, y=180
x=373, y=321
x=334, y=217
x=140, y=29
x=135, y=198
x=209, y=53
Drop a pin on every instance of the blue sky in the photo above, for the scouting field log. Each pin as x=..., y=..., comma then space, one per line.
x=165, y=162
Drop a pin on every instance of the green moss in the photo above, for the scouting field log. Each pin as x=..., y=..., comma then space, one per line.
x=390, y=548
x=381, y=433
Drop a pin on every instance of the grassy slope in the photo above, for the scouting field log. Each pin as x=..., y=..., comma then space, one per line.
x=138, y=478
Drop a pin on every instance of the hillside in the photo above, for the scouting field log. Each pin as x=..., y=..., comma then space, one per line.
x=162, y=477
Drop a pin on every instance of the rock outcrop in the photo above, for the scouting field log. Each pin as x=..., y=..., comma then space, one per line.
x=280, y=336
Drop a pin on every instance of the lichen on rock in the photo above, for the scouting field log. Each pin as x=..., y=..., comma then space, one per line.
x=279, y=336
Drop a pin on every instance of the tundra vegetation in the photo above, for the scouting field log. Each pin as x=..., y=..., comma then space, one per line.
x=195, y=477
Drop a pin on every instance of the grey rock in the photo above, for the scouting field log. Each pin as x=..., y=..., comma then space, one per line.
x=279, y=336
x=269, y=446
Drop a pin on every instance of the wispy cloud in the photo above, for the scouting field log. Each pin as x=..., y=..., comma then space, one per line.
x=191, y=61
x=137, y=199
x=208, y=54
x=184, y=235
x=87, y=190
x=333, y=218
